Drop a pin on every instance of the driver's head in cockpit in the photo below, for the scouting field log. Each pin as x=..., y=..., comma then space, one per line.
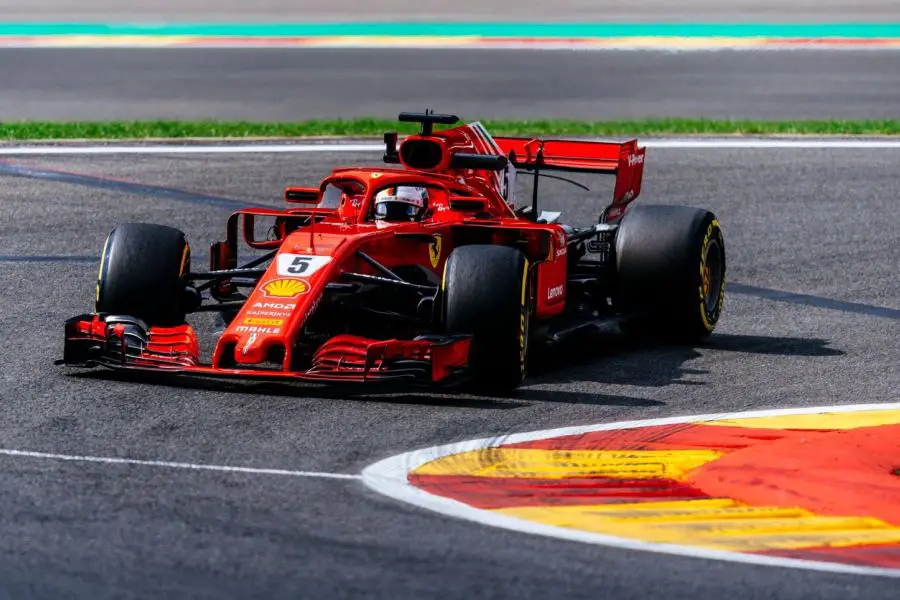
x=401, y=203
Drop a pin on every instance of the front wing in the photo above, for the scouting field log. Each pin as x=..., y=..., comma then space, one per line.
x=121, y=342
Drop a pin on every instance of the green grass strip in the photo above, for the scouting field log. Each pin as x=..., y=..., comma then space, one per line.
x=371, y=127
x=454, y=29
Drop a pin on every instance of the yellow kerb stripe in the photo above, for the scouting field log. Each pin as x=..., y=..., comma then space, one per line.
x=844, y=420
x=562, y=464
x=719, y=524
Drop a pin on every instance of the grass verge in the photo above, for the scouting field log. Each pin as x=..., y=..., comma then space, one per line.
x=368, y=127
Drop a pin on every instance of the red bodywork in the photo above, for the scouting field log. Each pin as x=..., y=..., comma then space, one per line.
x=319, y=238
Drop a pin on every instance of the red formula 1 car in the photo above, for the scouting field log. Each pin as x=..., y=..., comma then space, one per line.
x=428, y=271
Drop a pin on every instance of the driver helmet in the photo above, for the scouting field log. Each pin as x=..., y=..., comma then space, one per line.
x=401, y=203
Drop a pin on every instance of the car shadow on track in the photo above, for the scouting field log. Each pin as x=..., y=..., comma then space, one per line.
x=567, y=397
x=449, y=398
x=620, y=360
x=763, y=344
x=358, y=393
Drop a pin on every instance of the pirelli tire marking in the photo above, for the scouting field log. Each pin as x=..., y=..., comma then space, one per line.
x=524, y=317
x=713, y=238
x=104, y=267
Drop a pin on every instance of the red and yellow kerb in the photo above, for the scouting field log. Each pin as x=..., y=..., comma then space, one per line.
x=821, y=487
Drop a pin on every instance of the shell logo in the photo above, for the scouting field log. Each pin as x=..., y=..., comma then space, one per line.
x=286, y=288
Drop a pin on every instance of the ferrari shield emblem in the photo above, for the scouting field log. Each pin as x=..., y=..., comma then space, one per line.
x=434, y=250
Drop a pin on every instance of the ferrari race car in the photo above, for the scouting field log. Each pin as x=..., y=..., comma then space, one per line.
x=425, y=270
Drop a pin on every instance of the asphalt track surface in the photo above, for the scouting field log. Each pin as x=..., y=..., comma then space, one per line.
x=439, y=10
x=295, y=84
x=817, y=222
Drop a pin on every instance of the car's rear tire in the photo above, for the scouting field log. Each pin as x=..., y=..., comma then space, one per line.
x=143, y=273
x=486, y=293
x=671, y=268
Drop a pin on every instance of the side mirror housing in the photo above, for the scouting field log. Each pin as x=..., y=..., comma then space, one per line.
x=302, y=195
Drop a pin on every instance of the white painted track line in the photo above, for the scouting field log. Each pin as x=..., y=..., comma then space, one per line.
x=172, y=465
x=774, y=143
x=700, y=143
x=191, y=149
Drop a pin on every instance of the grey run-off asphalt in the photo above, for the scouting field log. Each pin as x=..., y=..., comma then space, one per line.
x=296, y=84
x=817, y=222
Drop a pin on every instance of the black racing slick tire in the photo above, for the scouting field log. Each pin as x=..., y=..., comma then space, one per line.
x=143, y=273
x=486, y=294
x=671, y=271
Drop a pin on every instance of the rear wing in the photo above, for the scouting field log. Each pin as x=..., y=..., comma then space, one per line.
x=625, y=160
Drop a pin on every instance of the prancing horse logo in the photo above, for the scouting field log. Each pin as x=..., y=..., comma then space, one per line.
x=434, y=250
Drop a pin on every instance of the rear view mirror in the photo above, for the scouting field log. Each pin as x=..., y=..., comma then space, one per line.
x=302, y=195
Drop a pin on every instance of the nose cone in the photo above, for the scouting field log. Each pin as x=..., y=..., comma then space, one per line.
x=249, y=351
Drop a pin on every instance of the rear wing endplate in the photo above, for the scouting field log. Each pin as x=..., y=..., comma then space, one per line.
x=625, y=160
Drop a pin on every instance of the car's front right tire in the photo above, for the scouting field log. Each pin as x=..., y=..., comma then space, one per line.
x=486, y=294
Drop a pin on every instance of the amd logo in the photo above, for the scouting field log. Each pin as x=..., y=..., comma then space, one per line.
x=274, y=306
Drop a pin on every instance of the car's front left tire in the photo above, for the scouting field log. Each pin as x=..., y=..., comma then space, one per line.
x=143, y=273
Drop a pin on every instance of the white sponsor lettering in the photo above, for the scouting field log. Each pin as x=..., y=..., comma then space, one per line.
x=563, y=243
x=274, y=305
x=555, y=292
x=249, y=343
x=254, y=329
x=635, y=159
x=300, y=265
x=314, y=307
